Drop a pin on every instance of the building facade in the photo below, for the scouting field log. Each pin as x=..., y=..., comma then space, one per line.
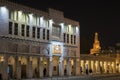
x=98, y=62
x=36, y=44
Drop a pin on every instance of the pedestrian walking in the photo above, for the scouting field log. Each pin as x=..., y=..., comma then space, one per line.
x=86, y=71
x=44, y=72
x=90, y=71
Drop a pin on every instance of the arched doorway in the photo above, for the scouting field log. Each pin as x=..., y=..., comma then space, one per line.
x=72, y=67
x=82, y=67
x=23, y=67
x=11, y=67
x=86, y=68
x=45, y=67
x=55, y=66
x=65, y=68
x=35, y=67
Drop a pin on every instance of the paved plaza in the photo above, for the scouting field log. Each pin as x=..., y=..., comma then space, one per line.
x=84, y=77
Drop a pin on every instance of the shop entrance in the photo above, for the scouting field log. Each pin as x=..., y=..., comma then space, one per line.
x=55, y=66
x=10, y=71
x=23, y=71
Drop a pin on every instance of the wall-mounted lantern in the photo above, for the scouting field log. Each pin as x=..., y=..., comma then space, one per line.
x=19, y=58
x=31, y=58
x=1, y=58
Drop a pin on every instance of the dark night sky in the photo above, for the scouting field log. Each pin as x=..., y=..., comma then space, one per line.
x=94, y=16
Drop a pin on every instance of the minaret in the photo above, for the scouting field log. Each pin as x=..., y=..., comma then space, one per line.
x=96, y=45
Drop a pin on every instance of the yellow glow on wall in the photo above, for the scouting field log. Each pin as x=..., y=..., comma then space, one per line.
x=101, y=63
x=65, y=63
x=19, y=58
x=1, y=58
x=70, y=28
x=56, y=49
x=72, y=62
x=44, y=63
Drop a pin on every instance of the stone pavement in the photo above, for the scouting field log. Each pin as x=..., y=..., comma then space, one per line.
x=85, y=77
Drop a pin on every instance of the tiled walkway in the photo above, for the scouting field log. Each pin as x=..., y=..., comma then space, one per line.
x=84, y=77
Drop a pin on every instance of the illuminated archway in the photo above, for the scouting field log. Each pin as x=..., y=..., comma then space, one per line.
x=35, y=67
x=56, y=66
x=11, y=67
x=23, y=67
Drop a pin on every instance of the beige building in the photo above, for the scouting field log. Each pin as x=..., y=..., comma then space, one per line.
x=36, y=44
x=99, y=63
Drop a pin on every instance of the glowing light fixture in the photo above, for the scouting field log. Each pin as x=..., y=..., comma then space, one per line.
x=19, y=13
x=45, y=63
x=3, y=9
x=50, y=59
x=1, y=58
x=77, y=60
x=41, y=58
x=30, y=15
x=31, y=58
x=19, y=58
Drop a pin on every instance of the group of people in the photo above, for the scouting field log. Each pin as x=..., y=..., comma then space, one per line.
x=0, y=76
x=90, y=71
x=87, y=71
x=44, y=72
